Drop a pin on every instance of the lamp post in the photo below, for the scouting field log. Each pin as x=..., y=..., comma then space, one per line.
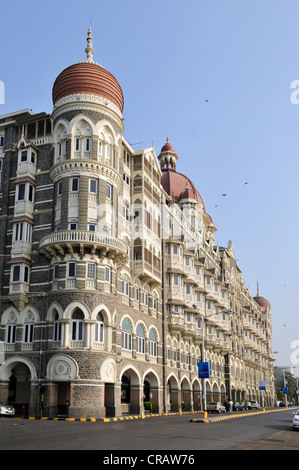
x=263, y=401
x=202, y=318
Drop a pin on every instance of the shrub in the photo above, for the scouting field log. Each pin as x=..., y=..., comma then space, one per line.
x=148, y=405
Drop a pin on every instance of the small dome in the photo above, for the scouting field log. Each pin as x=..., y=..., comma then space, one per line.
x=188, y=193
x=167, y=147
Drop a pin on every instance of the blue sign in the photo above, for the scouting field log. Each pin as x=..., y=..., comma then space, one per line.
x=285, y=390
x=262, y=385
x=203, y=370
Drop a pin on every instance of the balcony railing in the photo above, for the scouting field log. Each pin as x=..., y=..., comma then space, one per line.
x=77, y=237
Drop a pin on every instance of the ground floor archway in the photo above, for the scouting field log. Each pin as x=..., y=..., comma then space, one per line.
x=17, y=378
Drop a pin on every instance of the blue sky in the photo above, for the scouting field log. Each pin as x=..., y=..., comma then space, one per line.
x=168, y=57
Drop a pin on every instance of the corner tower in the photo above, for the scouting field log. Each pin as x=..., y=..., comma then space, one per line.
x=87, y=141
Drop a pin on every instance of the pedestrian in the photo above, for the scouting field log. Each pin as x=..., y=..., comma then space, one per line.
x=230, y=406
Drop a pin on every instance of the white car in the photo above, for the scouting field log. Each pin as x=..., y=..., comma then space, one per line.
x=6, y=410
x=216, y=407
x=296, y=421
x=253, y=404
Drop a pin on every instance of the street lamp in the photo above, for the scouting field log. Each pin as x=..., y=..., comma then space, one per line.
x=202, y=318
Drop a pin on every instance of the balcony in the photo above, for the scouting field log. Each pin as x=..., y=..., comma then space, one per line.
x=176, y=323
x=57, y=242
x=146, y=270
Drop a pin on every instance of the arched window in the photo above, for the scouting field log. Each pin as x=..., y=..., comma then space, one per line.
x=126, y=335
x=125, y=285
x=168, y=350
x=77, y=325
x=140, y=339
x=11, y=333
x=99, y=329
x=82, y=140
x=57, y=329
x=152, y=343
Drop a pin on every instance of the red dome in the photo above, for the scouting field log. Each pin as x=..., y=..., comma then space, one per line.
x=167, y=148
x=262, y=302
x=176, y=185
x=86, y=77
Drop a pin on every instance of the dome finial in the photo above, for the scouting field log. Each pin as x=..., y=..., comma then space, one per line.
x=89, y=49
x=257, y=289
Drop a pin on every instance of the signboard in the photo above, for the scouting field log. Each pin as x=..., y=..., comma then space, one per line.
x=262, y=385
x=285, y=390
x=203, y=370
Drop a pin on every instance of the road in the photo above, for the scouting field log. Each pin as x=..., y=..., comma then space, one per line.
x=175, y=434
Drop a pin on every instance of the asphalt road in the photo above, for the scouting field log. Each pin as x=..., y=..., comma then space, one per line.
x=172, y=434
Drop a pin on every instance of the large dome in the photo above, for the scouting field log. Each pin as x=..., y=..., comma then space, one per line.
x=88, y=78
x=261, y=301
x=179, y=186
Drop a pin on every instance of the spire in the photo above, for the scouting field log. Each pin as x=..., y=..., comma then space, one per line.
x=89, y=49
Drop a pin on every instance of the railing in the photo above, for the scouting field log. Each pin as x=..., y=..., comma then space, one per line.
x=79, y=236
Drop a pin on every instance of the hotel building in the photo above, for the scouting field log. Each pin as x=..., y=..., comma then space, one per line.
x=108, y=263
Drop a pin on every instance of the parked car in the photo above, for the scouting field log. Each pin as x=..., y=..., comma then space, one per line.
x=253, y=405
x=6, y=410
x=239, y=406
x=296, y=421
x=216, y=407
x=282, y=403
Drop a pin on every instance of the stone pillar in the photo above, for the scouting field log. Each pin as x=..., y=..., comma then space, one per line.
x=175, y=399
x=196, y=400
x=4, y=391
x=186, y=397
x=155, y=399
x=136, y=392
x=112, y=399
x=51, y=400
x=34, y=400
x=87, y=400
x=117, y=399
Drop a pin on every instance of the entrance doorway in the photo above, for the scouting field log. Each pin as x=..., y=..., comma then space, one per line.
x=125, y=389
x=19, y=388
x=63, y=398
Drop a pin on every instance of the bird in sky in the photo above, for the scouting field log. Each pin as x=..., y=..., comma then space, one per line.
x=206, y=100
x=224, y=194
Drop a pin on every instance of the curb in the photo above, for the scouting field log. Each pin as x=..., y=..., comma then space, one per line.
x=243, y=415
x=107, y=420
x=152, y=415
